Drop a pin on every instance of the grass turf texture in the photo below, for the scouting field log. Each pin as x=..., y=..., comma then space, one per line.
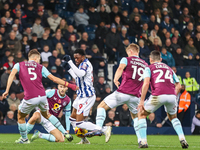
x=117, y=142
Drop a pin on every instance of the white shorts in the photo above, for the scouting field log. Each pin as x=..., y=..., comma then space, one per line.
x=83, y=105
x=27, y=106
x=117, y=98
x=154, y=102
x=48, y=126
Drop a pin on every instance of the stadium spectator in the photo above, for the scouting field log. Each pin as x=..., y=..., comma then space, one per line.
x=13, y=44
x=144, y=50
x=197, y=59
x=45, y=54
x=134, y=13
x=100, y=88
x=152, y=22
x=125, y=116
x=69, y=32
x=177, y=11
x=105, y=17
x=28, y=32
x=158, y=15
x=13, y=107
x=115, y=12
x=46, y=41
x=34, y=42
x=122, y=50
x=113, y=43
x=152, y=122
x=191, y=84
x=197, y=41
x=58, y=39
x=54, y=21
x=190, y=48
x=190, y=61
x=153, y=35
x=19, y=57
x=166, y=24
x=73, y=45
x=84, y=40
x=100, y=35
x=148, y=8
x=10, y=63
x=81, y=19
x=37, y=28
x=59, y=68
x=63, y=26
x=125, y=19
x=20, y=27
x=88, y=51
x=118, y=23
x=178, y=57
x=135, y=26
x=52, y=58
x=31, y=13
x=195, y=128
x=12, y=99
x=167, y=8
x=145, y=29
x=22, y=18
x=147, y=42
x=155, y=45
x=175, y=43
x=9, y=119
x=168, y=46
x=2, y=50
x=189, y=29
x=4, y=107
x=60, y=50
x=17, y=33
x=167, y=56
x=110, y=120
x=25, y=46
x=5, y=57
x=3, y=33
x=179, y=77
x=124, y=34
x=184, y=102
x=54, y=72
x=94, y=17
x=9, y=19
x=5, y=25
x=5, y=8
x=43, y=17
x=103, y=3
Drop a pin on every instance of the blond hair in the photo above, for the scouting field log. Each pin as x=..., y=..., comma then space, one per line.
x=133, y=47
x=61, y=51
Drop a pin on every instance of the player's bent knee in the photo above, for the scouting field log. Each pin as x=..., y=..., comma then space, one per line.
x=103, y=105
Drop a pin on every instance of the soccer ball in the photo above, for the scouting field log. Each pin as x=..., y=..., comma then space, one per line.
x=80, y=132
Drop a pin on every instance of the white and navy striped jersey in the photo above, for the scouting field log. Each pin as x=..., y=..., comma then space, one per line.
x=85, y=83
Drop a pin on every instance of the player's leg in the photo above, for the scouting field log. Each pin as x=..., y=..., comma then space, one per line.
x=31, y=122
x=171, y=107
x=132, y=104
x=43, y=105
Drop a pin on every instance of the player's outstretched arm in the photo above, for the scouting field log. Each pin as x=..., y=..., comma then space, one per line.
x=10, y=80
x=62, y=82
x=118, y=74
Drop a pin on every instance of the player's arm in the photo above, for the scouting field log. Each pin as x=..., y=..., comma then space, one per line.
x=176, y=83
x=120, y=69
x=10, y=79
x=71, y=72
x=67, y=112
x=145, y=86
x=46, y=73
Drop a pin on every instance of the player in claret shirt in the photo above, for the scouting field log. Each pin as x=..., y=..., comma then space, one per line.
x=165, y=86
x=30, y=75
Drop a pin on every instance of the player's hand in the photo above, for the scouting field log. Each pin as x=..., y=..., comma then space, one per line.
x=66, y=66
x=117, y=83
x=5, y=94
x=67, y=58
x=141, y=106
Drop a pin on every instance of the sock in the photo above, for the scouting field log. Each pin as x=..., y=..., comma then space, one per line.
x=178, y=128
x=101, y=115
x=29, y=127
x=135, y=124
x=73, y=122
x=142, y=128
x=48, y=137
x=57, y=124
x=22, y=130
x=87, y=125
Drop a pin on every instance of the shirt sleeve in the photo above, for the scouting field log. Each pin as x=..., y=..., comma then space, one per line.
x=16, y=66
x=147, y=73
x=50, y=93
x=175, y=78
x=67, y=111
x=45, y=72
x=84, y=66
x=124, y=61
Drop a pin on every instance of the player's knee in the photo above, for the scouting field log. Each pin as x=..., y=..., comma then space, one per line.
x=35, y=116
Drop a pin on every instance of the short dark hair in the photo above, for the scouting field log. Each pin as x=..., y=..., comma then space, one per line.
x=33, y=52
x=155, y=55
x=79, y=51
x=198, y=112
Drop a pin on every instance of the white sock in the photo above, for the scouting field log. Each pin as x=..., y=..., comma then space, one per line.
x=87, y=125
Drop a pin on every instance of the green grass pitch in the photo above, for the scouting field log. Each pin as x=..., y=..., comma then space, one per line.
x=117, y=142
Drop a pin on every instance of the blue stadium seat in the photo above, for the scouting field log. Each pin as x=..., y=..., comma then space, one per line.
x=126, y=5
x=69, y=17
x=63, y=1
x=91, y=35
x=90, y=28
x=132, y=39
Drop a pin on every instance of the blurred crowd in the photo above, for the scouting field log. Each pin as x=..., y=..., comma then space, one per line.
x=103, y=28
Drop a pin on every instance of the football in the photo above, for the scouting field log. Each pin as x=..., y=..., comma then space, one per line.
x=80, y=132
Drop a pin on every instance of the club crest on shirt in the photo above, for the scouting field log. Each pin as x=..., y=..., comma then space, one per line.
x=55, y=98
x=56, y=108
x=64, y=103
